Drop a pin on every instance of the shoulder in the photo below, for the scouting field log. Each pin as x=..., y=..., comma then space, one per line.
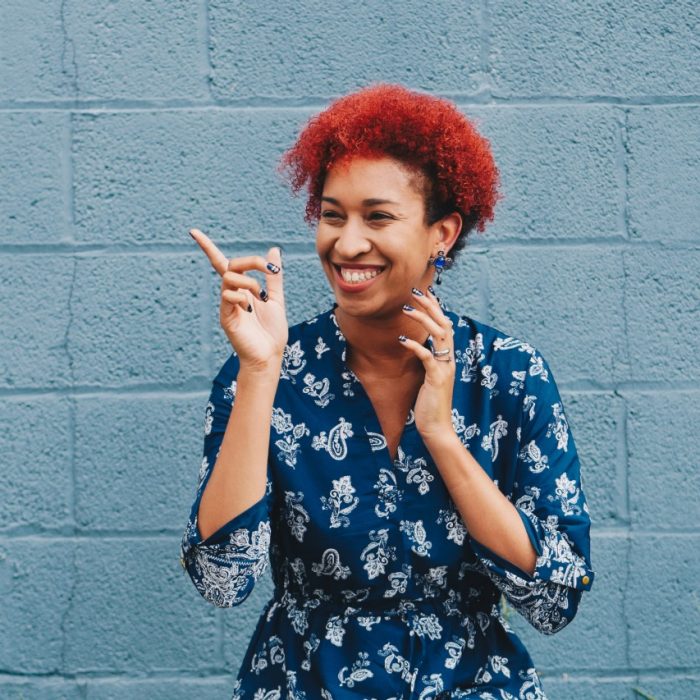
x=302, y=338
x=306, y=329
x=479, y=343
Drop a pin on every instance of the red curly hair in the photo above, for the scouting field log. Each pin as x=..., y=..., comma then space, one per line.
x=426, y=133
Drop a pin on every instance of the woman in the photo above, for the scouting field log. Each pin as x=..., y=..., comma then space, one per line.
x=402, y=465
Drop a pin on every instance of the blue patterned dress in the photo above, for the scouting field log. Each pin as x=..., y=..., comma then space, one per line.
x=380, y=592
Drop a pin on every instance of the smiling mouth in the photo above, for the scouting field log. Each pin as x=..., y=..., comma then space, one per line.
x=357, y=276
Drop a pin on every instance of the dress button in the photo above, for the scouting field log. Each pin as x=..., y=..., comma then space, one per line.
x=585, y=580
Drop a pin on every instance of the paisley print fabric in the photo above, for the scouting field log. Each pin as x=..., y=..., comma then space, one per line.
x=380, y=592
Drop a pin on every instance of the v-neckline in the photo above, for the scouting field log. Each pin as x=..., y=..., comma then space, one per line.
x=408, y=426
x=340, y=347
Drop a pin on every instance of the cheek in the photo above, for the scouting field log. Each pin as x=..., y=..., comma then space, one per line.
x=319, y=241
x=323, y=244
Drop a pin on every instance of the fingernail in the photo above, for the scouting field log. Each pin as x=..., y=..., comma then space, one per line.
x=408, y=307
x=402, y=338
x=431, y=290
x=273, y=268
x=417, y=292
x=250, y=308
x=191, y=234
x=263, y=295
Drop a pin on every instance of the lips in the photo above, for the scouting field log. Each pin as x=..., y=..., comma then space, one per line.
x=356, y=286
x=358, y=266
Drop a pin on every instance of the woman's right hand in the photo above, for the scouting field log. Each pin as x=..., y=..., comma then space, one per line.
x=258, y=336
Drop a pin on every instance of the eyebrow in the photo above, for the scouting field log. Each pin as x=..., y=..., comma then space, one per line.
x=365, y=202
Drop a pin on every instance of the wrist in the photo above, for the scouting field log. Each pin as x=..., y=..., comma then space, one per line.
x=261, y=374
x=440, y=438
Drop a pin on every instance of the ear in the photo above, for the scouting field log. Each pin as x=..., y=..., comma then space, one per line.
x=447, y=231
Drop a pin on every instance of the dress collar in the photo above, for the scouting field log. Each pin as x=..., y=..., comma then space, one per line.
x=338, y=343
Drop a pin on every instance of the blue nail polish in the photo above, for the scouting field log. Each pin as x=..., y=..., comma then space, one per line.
x=431, y=290
x=407, y=307
x=402, y=338
x=263, y=295
x=272, y=267
x=417, y=292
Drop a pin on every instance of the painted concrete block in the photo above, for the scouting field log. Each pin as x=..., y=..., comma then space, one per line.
x=148, y=177
x=568, y=303
x=35, y=317
x=593, y=48
x=35, y=177
x=663, y=173
x=328, y=48
x=37, y=481
x=135, y=611
x=137, y=460
x=662, y=297
x=136, y=320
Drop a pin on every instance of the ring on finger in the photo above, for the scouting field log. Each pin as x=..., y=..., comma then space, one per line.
x=444, y=359
x=442, y=355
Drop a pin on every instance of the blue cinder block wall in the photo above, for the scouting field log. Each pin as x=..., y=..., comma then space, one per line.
x=122, y=124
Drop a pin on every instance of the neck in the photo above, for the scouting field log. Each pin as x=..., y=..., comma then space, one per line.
x=374, y=347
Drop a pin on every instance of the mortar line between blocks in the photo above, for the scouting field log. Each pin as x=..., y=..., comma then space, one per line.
x=625, y=610
x=220, y=637
x=485, y=49
x=207, y=326
x=205, y=38
x=485, y=288
x=623, y=172
x=68, y=180
x=317, y=102
x=623, y=459
x=610, y=242
x=72, y=407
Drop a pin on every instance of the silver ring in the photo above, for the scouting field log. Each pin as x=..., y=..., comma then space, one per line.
x=442, y=355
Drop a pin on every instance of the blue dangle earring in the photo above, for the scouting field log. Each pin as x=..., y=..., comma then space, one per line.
x=441, y=263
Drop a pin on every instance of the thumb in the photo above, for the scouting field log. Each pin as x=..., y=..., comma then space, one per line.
x=275, y=281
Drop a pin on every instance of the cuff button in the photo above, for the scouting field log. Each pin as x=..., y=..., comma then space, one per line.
x=585, y=580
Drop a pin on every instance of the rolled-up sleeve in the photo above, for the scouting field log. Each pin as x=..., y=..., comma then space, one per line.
x=225, y=566
x=548, y=495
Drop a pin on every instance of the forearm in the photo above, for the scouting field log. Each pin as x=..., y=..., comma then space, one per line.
x=488, y=515
x=239, y=476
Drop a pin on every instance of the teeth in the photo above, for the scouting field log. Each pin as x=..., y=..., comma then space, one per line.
x=358, y=275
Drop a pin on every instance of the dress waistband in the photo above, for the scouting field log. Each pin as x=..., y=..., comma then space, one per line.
x=424, y=617
x=405, y=608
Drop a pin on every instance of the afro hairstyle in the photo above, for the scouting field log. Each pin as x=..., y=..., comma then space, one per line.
x=426, y=133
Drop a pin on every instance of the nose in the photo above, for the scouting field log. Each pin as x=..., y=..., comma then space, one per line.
x=352, y=241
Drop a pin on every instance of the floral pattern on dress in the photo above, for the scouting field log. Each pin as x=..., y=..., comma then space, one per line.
x=380, y=591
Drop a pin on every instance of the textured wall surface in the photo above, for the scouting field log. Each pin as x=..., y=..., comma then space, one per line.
x=122, y=124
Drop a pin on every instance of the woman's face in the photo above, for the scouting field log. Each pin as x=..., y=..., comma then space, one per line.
x=373, y=219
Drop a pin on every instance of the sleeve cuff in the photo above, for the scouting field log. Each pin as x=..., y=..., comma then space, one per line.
x=568, y=568
x=246, y=521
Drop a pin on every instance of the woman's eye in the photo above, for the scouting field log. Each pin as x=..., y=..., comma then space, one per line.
x=373, y=216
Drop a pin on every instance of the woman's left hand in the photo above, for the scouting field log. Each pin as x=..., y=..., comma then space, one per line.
x=433, y=409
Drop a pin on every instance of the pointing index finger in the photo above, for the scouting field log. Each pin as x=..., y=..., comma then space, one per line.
x=217, y=259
